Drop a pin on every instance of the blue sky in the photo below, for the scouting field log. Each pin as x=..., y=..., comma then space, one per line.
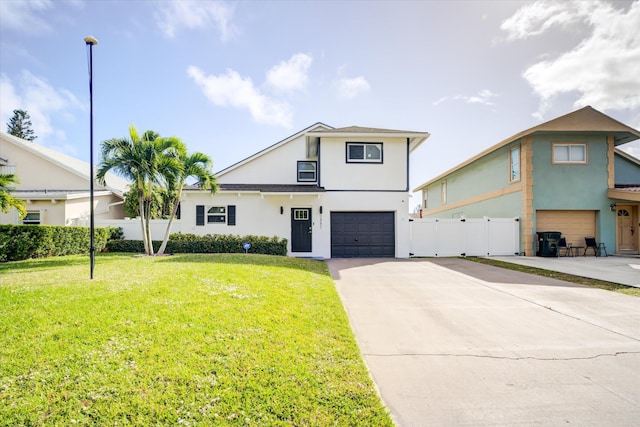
x=231, y=78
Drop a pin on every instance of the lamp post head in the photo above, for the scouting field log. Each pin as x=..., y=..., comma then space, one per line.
x=91, y=40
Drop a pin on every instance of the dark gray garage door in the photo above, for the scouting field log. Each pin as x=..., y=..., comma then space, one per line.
x=362, y=234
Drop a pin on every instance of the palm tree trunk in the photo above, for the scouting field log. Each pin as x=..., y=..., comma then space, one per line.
x=141, y=213
x=147, y=230
x=168, y=230
x=148, y=220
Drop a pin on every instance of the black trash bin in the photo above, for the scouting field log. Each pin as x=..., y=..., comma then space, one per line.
x=548, y=243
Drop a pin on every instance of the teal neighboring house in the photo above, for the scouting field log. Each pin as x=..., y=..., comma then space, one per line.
x=565, y=175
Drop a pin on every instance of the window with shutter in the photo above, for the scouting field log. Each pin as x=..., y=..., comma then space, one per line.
x=200, y=215
x=231, y=215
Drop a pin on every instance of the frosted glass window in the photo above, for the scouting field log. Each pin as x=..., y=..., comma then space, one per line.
x=514, y=162
x=569, y=153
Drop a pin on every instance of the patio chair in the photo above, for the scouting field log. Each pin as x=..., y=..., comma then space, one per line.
x=595, y=246
x=562, y=244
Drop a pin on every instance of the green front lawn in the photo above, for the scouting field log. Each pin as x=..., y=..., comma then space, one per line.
x=179, y=340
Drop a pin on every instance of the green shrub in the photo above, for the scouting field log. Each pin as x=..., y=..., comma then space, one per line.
x=19, y=242
x=125, y=246
x=210, y=243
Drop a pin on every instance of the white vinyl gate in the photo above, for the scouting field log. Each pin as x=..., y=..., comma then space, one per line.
x=465, y=237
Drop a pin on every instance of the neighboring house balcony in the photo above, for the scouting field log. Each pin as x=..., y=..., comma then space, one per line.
x=629, y=192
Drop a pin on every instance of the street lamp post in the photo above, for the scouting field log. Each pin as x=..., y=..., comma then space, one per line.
x=91, y=41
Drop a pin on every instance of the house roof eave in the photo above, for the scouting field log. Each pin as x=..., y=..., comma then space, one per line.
x=270, y=189
x=270, y=148
x=78, y=167
x=586, y=119
x=357, y=131
x=61, y=194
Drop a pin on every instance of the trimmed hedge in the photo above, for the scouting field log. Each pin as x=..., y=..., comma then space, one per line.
x=210, y=243
x=18, y=242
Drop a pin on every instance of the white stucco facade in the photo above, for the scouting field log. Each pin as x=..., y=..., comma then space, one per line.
x=55, y=187
x=263, y=196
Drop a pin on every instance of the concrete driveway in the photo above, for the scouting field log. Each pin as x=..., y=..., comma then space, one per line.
x=450, y=342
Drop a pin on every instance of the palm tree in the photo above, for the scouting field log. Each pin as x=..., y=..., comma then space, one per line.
x=163, y=164
x=7, y=201
x=146, y=161
x=195, y=166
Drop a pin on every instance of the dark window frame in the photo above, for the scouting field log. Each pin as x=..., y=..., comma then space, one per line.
x=231, y=215
x=364, y=159
x=315, y=170
x=215, y=216
x=32, y=221
x=206, y=215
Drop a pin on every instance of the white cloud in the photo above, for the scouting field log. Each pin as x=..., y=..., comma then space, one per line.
x=178, y=14
x=24, y=16
x=236, y=91
x=602, y=70
x=537, y=17
x=483, y=97
x=351, y=87
x=41, y=100
x=290, y=75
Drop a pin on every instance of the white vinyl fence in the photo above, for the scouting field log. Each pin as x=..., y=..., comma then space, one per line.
x=133, y=230
x=465, y=237
x=429, y=236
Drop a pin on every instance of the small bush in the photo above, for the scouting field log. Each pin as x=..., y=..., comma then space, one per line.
x=210, y=243
x=18, y=242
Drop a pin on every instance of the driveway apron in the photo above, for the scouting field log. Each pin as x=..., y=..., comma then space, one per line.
x=450, y=342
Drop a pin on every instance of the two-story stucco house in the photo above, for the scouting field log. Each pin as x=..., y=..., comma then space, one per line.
x=330, y=192
x=564, y=175
x=55, y=186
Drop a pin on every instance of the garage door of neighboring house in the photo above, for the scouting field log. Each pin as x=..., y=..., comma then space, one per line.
x=574, y=225
x=362, y=234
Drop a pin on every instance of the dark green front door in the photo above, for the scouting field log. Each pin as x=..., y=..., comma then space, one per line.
x=300, y=230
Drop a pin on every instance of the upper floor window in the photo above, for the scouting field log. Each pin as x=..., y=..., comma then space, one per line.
x=364, y=152
x=307, y=171
x=569, y=153
x=514, y=164
x=443, y=192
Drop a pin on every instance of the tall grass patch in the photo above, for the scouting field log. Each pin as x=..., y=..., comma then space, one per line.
x=216, y=339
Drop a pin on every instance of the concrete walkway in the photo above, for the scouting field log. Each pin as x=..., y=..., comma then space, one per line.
x=450, y=342
x=617, y=269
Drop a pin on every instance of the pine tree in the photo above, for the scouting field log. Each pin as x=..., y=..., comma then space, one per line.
x=20, y=125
